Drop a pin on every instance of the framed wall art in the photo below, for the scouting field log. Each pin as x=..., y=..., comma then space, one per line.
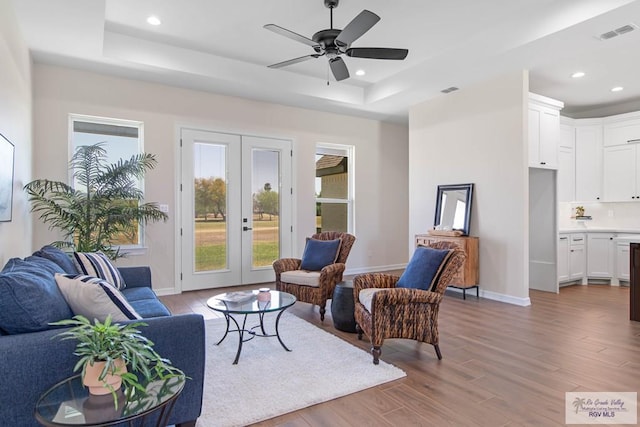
x=7, y=153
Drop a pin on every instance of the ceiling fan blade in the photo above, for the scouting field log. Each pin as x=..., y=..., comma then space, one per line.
x=293, y=61
x=339, y=68
x=290, y=34
x=356, y=28
x=377, y=53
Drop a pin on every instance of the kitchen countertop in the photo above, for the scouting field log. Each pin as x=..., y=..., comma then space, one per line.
x=620, y=231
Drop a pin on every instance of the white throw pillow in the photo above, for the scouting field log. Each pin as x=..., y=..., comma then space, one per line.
x=97, y=264
x=94, y=298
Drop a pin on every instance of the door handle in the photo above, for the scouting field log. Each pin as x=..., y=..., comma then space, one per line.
x=246, y=228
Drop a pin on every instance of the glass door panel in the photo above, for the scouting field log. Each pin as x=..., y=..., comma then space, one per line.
x=210, y=207
x=266, y=213
x=266, y=207
x=210, y=210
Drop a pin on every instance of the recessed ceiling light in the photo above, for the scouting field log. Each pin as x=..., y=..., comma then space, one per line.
x=577, y=75
x=153, y=20
x=360, y=73
x=616, y=89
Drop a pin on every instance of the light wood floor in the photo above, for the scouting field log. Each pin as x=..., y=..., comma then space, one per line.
x=502, y=365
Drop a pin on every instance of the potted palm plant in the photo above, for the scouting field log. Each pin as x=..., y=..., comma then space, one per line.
x=101, y=206
x=112, y=354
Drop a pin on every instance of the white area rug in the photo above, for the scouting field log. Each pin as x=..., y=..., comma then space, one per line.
x=269, y=381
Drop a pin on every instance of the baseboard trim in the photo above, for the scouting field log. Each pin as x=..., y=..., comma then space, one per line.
x=166, y=291
x=523, y=302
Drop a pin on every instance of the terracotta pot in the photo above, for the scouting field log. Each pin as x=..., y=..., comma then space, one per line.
x=98, y=387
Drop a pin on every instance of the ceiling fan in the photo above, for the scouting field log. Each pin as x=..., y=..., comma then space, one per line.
x=335, y=42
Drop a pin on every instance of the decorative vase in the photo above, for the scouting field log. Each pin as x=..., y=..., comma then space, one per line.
x=111, y=381
x=264, y=294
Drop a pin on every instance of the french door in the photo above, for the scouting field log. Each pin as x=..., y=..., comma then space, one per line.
x=236, y=208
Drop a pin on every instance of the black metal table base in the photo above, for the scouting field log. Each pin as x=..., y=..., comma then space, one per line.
x=243, y=331
x=464, y=290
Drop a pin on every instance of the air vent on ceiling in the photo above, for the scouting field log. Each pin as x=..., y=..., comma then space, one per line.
x=608, y=35
x=618, y=31
x=449, y=89
x=625, y=29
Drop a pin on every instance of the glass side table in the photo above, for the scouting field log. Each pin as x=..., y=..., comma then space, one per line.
x=69, y=403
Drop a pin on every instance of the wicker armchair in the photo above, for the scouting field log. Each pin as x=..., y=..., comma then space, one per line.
x=403, y=312
x=315, y=287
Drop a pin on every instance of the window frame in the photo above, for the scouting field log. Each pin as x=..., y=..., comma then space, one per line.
x=348, y=151
x=130, y=249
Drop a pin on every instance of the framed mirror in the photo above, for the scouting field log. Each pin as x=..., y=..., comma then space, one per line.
x=453, y=207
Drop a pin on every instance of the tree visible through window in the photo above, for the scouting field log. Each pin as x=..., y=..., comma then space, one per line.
x=121, y=139
x=333, y=188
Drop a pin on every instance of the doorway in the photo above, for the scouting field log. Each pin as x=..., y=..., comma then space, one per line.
x=543, y=230
x=236, y=208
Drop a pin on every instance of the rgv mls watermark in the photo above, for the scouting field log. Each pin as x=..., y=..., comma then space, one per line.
x=604, y=407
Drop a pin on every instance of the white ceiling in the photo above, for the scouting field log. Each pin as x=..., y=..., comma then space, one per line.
x=221, y=47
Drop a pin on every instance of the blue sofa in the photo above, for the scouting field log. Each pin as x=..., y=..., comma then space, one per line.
x=32, y=360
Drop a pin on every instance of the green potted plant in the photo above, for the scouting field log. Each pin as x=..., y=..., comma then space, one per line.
x=103, y=204
x=112, y=354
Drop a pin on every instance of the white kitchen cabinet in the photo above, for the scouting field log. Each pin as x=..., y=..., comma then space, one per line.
x=563, y=258
x=622, y=255
x=577, y=257
x=600, y=255
x=622, y=129
x=621, y=173
x=544, y=131
x=571, y=257
x=588, y=153
x=567, y=164
x=622, y=261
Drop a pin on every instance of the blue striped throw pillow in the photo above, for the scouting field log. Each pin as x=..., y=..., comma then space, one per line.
x=97, y=264
x=94, y=298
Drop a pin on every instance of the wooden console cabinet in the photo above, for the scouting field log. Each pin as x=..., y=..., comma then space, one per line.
x=467, y=277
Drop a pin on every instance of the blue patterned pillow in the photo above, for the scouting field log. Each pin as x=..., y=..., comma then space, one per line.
x=97, y=264
x=94, y=298
x=423, y=271
x=319, y=253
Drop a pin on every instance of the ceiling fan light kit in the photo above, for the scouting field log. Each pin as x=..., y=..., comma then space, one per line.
x=333, y=43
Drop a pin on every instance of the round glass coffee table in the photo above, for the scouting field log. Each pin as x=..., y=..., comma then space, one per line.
x=244, y=303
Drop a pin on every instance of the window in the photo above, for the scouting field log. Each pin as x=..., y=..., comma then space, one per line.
x=334, y=188
x=121, y=139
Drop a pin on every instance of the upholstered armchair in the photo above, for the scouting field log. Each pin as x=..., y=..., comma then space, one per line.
x=385, y=310
x=314, y=287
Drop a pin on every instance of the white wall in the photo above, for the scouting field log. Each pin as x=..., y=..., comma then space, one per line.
x=15, y=125
x=381, y=156
x=478, y=135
